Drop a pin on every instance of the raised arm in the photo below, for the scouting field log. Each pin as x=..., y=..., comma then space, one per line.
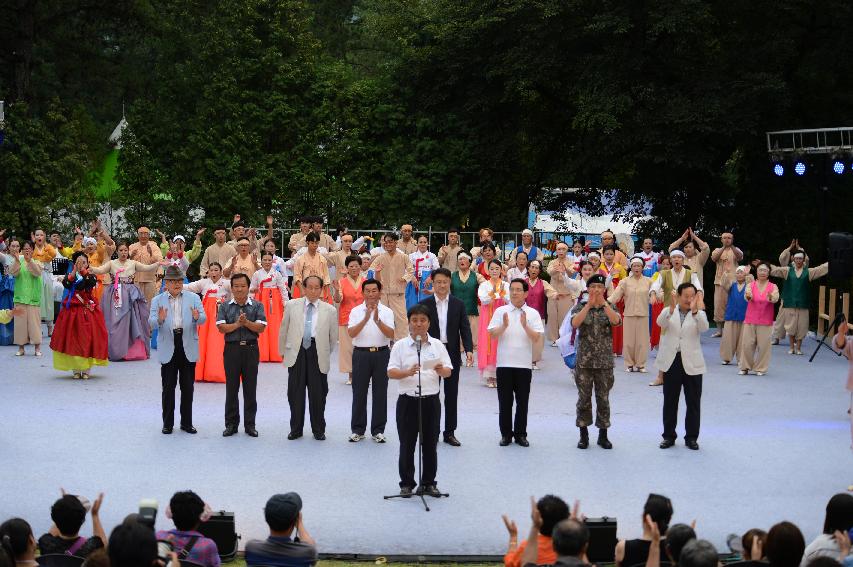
x=140, y=267
x=819, y=272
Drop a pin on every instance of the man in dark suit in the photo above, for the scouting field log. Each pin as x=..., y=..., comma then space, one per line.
x=448, y=322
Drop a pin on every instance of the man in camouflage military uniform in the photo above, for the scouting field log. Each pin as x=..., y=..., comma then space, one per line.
x=594, y=321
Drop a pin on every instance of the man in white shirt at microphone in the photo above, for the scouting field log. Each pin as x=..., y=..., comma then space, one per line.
x=403, y=366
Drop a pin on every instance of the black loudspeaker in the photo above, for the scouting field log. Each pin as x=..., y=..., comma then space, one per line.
x=840, y=255
x=602, y=539
x=222, y=530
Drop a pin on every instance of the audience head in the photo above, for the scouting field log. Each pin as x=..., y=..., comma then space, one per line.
x=570, y=538
x=698, y=553
x=282, y=512
x=823, y=561
x=839, y=514
x=16, y=537
x=553, y=510
x=785, y=545
x=186, y=508
x=677, y=536
x=660, y=509
x=749, y=538
x=132, y=545
x=68, y=513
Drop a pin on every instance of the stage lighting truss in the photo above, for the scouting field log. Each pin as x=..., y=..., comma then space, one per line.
x=793, y=151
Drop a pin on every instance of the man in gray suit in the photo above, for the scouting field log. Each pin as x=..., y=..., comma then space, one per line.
x=176, y=315
x=308, y=333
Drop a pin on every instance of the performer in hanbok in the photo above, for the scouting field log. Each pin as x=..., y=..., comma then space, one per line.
x=348, y=294
x=492, y=294
x=613, y=272
x=7, y=289
x=561, y=270
x=538, y=294
x=656, y=307
x=519, y=269
x=269, y=287
x=844, y=344
x=79, y=341
x=214, y=291
x=532, y=251
x=735, y=313
x=488, y=252
x=463, y=285
x=577, y=254
x=755, y=345
x=27, y=272
x=796, y=293
x=98, y=250
x=311, y=263
x=44, y=253
x=394, y=269
x=423, y=263
x=125, y=308
x=633, y=293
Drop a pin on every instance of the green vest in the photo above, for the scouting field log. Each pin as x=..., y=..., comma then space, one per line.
x=466, y=291
x=795, y=293
x=668, y=285
x=27, y=286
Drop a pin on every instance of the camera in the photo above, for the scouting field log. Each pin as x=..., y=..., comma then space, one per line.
x=147, y=512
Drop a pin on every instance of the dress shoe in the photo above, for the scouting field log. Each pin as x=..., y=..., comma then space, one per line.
x=603, y=441
x=320, y=436
x=251, y=431
x=692, y=444
x=167, y=430
x=505, y=441
x=229, y=431
x=189, y=429
x=406, y=492
x=293, y=435
x=431, y=490
x=583, y=442
x=522, y=440
x=667, y=443
x=452, y=440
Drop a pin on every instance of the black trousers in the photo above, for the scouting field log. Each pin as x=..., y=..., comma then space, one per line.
x=451, y=397
x=407, y=431
x=305, y=374
x=673, y=380
x=241, y=361
x=366, y=367
x=513, y=384
x=181, y=371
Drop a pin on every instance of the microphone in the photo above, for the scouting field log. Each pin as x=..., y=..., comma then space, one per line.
x=418, y=343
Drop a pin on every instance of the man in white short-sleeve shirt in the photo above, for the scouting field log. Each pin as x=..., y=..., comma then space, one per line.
x=371, y=327
x=403, y=366
x=516, y=326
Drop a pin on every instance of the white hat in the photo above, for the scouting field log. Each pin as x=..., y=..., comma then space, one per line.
x=799, y=253
x=596, y=254
x=87, y=240
x=742, y=269
x=527, y=231
x=179, y=237
x=638, y=260
x=675, y=253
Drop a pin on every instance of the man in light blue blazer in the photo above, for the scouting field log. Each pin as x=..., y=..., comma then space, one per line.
x=176, y=315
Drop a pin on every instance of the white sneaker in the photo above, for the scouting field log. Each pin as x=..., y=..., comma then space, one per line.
x=743, y=372
x=799, y=352
x=379, y=438
x=554, y=344
x=726, y=362
x=642, y=370
x=791, y=351
x=355, y=438
x=759, y=373
x=535, y=367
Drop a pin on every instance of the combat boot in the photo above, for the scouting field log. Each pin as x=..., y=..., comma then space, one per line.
x=584, y=440
x=603, y=442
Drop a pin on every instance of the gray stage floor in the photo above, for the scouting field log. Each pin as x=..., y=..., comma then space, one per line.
x=773, y=448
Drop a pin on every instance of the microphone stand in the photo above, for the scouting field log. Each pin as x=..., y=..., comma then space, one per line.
x=420, y=437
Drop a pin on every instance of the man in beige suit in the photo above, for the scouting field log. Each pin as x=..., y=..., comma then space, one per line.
x=308, y=333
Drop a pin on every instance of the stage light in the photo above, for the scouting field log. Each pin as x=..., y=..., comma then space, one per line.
x=779, y=169
x=800, y=168
x=838, y=167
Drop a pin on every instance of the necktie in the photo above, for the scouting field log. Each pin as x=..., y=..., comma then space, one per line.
x=309, y=321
